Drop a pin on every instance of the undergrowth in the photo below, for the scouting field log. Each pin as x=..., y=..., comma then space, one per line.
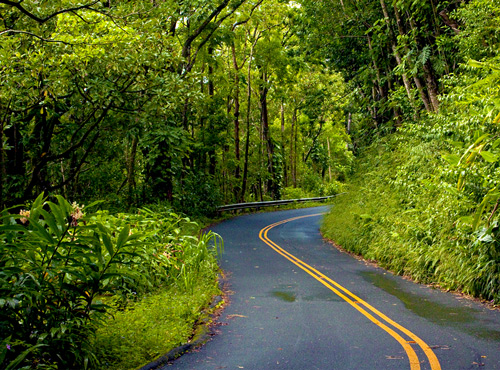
x=67, y=274
x=152, y=326
x=402, y=209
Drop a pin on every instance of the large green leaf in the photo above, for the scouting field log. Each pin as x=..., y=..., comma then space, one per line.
x=106, y=239
x=123, y=237
x=452, y=159
x=489, y=157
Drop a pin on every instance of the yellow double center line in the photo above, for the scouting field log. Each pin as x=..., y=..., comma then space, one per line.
x=374, y=315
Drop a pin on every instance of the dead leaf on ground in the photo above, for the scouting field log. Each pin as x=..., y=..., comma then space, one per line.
x=235, y=315
x=394, y=357
x=439, y=346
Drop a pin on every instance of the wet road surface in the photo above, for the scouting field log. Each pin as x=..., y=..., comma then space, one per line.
x=298, y=303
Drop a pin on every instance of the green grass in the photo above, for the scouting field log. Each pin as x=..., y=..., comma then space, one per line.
x=401, y=211
x=153, y=326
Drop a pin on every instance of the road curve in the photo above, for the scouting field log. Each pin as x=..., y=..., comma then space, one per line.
x=298, y=303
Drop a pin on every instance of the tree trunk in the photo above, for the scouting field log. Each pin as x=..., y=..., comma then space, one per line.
x=283, y=151
x=296, y=154
x=236, y=114
x=292, y=151
x=431, y=86
x=416, y=79
x=131, y=171
x=211, y=128
x=423, y=94
x=406, y=82
x=247, y=142
x=266, y=136
x=329, y=160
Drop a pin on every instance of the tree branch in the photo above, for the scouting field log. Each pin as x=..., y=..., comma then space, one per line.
x=199, y=30
x=18, y=6
x=205, y=40
x=34, y=35
x=78, y=167
x=249, y=17
x=449, y=22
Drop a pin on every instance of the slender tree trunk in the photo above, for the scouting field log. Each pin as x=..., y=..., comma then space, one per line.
x=211, y=145
x=283, y=143
x=416, y=79
x=266, y=136
x=406, y=82
x=63, y=176
x=236, y=114
x=432, y=87
x=247, y=142
x=423, y=94
x=329, y=160
x=292, y=152
x=201, y=155
x=296, y=154
x=131, y=170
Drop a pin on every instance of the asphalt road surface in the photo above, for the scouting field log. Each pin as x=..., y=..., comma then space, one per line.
x=299, y=303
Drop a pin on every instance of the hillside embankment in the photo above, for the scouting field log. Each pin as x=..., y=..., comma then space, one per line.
x=409, y=208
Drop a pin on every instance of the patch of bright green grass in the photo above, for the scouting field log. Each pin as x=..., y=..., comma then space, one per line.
x=153, y=326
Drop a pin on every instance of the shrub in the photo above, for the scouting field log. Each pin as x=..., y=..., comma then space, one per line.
x=199, y=195
x=294, y=193
x=333, y=188
x=57, y=264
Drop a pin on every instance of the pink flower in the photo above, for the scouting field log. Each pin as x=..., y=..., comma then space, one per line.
x=25, y=214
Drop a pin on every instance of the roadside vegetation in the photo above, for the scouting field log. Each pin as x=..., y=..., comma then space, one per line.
x=423, y=200
x=94, y=290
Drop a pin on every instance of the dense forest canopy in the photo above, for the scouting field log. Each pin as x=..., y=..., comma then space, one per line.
x=192, y=102
x=424, y=197
x=200, y=103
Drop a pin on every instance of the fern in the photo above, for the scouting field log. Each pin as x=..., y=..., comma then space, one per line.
x=424, y=56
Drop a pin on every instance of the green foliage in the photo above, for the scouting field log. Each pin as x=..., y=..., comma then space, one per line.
x=333, y=188
x=480, y=37
x=139, y=103
x=425, y=226
x=199, y=196
x=312, y=183
x=294, y=193
x=153, y=326
x=413, y=231
x=424, y=201
x=58, y=264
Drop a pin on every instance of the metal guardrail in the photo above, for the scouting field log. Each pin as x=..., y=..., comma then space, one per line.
x=232, y=207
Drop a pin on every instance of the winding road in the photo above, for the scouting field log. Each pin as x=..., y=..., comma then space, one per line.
x=296, y=302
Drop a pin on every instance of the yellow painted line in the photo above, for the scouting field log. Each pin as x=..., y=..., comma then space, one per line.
x=355, y=302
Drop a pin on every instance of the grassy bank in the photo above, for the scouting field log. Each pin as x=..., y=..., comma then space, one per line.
x=403, y=210
x=153, y=326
